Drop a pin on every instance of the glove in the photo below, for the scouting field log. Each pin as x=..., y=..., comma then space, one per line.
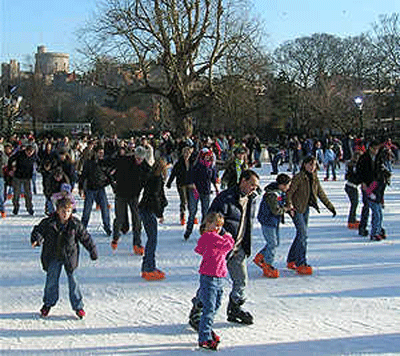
x=94, y=256
x=168, y=186
x=333, y=213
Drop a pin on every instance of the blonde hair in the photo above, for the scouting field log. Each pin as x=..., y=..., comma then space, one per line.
x=210, y=218
x=160, y=168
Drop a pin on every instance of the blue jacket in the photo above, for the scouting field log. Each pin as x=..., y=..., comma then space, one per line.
x=272, y=205
x=202, y=177
x=227, y=203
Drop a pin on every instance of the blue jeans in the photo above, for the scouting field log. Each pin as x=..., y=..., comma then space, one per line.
x=149, y=221
x=99, y=196
x=193, y=203
x=332, y=166
x=271, y=236
x=210, y=295
x=1, y=195
x=237, y=269
x=51, y=289
x=377, y=218
x=298, y=250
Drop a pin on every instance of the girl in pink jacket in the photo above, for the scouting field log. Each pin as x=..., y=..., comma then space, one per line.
x=214, y=247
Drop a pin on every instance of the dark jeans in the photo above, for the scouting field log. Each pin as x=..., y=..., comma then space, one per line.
x=352, y=193
x=298, y=250
x=51, y=289
x=193, y=203
x=149, y=221
x=364, y=211
x=183, y=199
x=100, y=197
x=121, y=205
x=210, y=295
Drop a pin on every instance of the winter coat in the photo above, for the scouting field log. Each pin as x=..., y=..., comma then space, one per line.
x=227, y=203
x=62, y=242
x=202, y=177
x=22, y=164
x=153, y=198
x=329, y=156
x=129, y=176
x=272, y=206
x=180, y=172
x=214, y=248
x=52, y=186
x=233, y=169
x=374, y=174
x=96, y=174
x=300, y=195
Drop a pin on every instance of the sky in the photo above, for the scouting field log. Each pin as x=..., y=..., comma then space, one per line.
x=26, y=24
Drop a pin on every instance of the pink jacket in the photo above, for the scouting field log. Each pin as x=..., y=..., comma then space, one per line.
x=214, y=248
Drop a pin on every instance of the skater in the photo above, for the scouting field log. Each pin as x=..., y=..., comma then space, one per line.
x=351, y=189
x=213, y=246
x=303, y=194
x=237, y=206
x=180, y=171
x=60, y=235
x=151, y=208
x=330, y=162
x=374, y=176
x=270, y=214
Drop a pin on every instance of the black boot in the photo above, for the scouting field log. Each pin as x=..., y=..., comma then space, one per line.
x=195, y=314
x=237, y=315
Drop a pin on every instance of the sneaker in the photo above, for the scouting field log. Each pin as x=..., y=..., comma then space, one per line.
x=291, y=265
x=209, y=345
x=80, y=313
x=304, y=270
x=326, y=179
x=196, y=221
x=44, y=311
x=154, y=275
x=270, y=272
x=114, y=244
x=383, y=234
x=186, y=236
x=138, y=250
x=3, y=214
x=259, y=261
x=354, y=225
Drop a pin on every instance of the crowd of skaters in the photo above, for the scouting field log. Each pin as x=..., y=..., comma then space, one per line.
x=137, y=170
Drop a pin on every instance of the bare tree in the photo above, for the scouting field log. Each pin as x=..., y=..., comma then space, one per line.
x=175, y=45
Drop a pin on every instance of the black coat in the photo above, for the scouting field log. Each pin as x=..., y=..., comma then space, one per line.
x=62, y=242
x=96, y=174
x=23, y=164
x=129, y=176
x=153, y=198
x=227, y=203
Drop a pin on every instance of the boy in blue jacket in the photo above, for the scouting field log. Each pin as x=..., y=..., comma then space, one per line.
x=270, y=214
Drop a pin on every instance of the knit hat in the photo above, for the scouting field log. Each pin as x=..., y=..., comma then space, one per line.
x=140, y=152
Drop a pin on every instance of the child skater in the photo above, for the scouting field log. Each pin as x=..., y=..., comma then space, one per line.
x=59, y=234
x=214, y=247
x=270, y=214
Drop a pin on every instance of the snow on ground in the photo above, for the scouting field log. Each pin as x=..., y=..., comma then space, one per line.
x=350, y=306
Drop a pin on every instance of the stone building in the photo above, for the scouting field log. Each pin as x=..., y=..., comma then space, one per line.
x=48, y=63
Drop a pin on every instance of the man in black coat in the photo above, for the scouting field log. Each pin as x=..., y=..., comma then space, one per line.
x=131, y=172
x=21, y=169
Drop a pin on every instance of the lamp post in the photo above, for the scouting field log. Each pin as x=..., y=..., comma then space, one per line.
x=359, y=102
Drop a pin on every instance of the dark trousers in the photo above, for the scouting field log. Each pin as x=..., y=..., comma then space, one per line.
x=352, y=193
x=121, y=205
